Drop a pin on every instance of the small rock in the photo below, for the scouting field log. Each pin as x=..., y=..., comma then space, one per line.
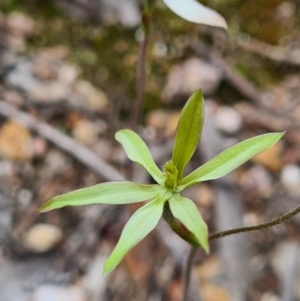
x=24, y=197
x=85, y=132
x=290, y=178
x=13, y=97
x=42, y=238
x=204, y=195
x=285, y=261
x=270, y=297
x=68, y=74
x=228, y=120
x=56, y=162
x=50, y=93
x=271, y=158
x=251, y=219
x=190, y=76
x=210, y=269
x=55, y=293
x=21, y=77
x=39, y=147
x=95, y=288
x=126, y=12
x=94, y=99
x=48, y=64
x=162, y=120
x=213, y=292
x=20, y=24
x=15, y=142
x=6, y=168
x=103, y=148
x=257, y=180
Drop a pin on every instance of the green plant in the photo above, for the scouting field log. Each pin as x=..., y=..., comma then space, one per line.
x=181, y=213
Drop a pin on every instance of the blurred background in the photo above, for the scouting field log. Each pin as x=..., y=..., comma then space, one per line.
x=67, y=83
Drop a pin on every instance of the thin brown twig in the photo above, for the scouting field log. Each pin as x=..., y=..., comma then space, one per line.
x=241, y=84
x=276, y=221
x=187, y=272
x=78, y=151
x=276, y=53
x=140, y=84
x=141, y=64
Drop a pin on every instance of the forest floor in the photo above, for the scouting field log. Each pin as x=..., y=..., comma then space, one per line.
x=67, y=85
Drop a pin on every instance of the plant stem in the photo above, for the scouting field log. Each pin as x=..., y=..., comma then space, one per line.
x=140, y=84
x=276, y=221
x=141, y=65
x=187, y=272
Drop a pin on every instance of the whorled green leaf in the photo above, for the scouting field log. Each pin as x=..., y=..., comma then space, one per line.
x=193, y=11
x=137, y=151
x=230, y=159
x=188, y=131
x=188, y=214
x=121, y=192
x=139, y=225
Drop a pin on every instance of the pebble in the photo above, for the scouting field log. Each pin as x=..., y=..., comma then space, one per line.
x=21, y=77
x=96, y=289
x=42, y=238
x=68, y=74
x=56, y=162
x=24, y=197
x=6, y=168
x=20, y=24
x=228, y=120
x=85, y=132
x=94, y=99
x=204, y=195
x=192, y=75
x=271, y=158
x=257, y=179
x=15, y=142
x=40, y=147
x=285, y=261
x=125, y=12
x=52, y=92
x=55, y=293
x=290, y=178
x=213, y=292
x=162, y=120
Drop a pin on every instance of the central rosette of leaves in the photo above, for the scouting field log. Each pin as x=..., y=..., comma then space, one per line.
x=165, y=199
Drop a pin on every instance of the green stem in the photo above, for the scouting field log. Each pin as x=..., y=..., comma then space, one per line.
x=187, y=272
x=276, y=221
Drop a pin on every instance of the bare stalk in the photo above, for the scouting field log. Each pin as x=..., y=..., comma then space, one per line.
x=141, y=65
x=276, y=221
x=187, y=272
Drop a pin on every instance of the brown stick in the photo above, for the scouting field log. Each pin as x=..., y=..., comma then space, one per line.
x=276, y=221
x=240, y=84
x=78, y=151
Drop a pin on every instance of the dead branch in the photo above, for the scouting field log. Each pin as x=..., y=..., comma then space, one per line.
x=78, y=151
x=275, y=53
x=242, y=85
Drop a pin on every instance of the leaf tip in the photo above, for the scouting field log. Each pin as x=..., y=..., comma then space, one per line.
x=205, y=246
x=44, y=208
x=108, y=267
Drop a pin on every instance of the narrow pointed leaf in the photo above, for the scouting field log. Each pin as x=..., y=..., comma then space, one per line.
x=193, y=11
x=122, y=192
x=137, y=151
x=139, y=225
x=230, y=159
x=188, y=131
x=188, y=214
